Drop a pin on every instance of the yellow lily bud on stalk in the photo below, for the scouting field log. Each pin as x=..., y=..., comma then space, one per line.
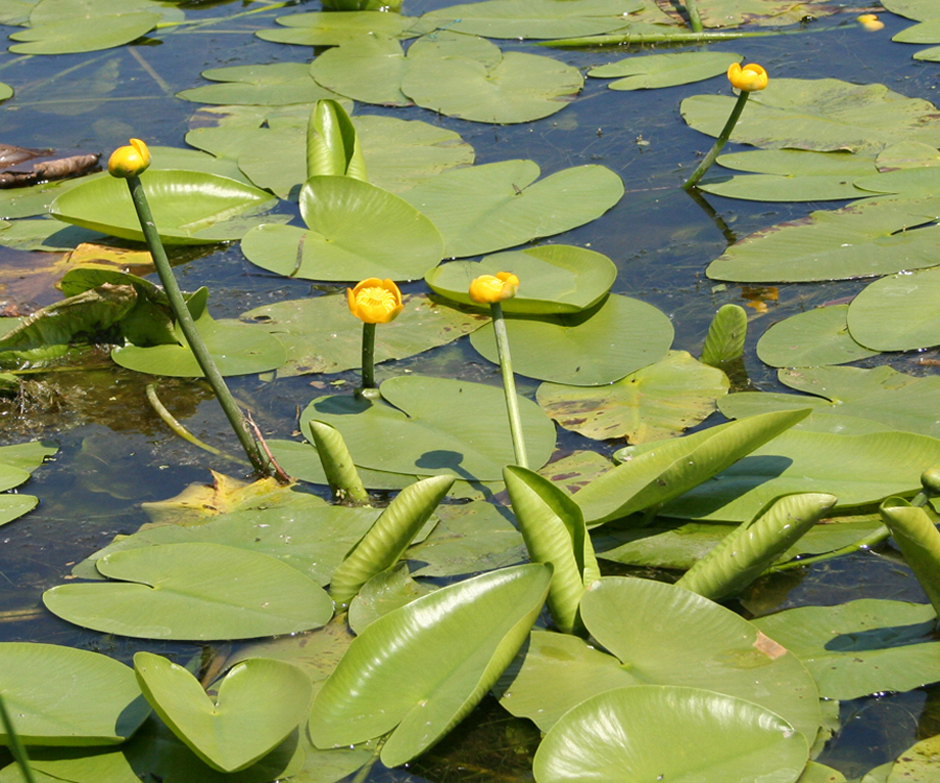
x=375, y=301
x=489, y=289
x=130, y=161
x=750, y=78
x=871, y=22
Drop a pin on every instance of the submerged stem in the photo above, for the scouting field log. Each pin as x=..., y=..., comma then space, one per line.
x=707, y=161
x=509, y=384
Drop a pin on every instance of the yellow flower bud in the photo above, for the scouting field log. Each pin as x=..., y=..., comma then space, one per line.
x=375, y=301
x=750, y=78
x=129, y=161
x=490, y=289
x=871, y=22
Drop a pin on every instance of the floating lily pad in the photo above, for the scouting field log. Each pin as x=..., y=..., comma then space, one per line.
x=193, y=591
x=664, y=732
x=420, y=435
x=367, y=68
x=897, y=313
x=816, y=337
x=83, y=33
x=462, y=203
x=321, y=336
x=657, y=401
x=557, y=278
x=189, y=207
x=328, y=28
x=920, y=182
x=356, y=231
x=273, y=84
x=919, y=10
x=657, y=634
x=775, y=13
x=861, y=647
x=652, y=71
x=591, y=348
x=64, y=696
x=534, y=18
x=873, y=237
x=819, y=114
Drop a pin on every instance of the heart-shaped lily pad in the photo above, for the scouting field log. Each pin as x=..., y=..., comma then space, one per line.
x=259, y=702
x=812, y=338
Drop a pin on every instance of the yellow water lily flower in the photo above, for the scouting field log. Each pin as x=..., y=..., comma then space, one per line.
x=129, y=161
x=375, y=301
x=871, y=22
x=750, y=78
x=490, y=289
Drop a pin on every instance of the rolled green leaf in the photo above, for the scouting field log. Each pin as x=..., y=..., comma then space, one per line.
x=726, y=334
x=919, y=541
x=341, y=473
x=389, y=536
x=333, y=147
x=745, y=553
x=554, y=532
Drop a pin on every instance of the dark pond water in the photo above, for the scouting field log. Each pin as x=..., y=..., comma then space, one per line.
x=115, y=453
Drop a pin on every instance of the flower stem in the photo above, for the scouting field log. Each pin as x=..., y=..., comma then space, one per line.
x=368, y=356
x=188, y=325
x=691, y=7
x=16, y=747
x=509, y=384
x=707, y=161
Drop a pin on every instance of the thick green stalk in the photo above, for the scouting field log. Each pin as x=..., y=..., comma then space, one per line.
x=188, y=325
x=707, y=161
x=509, y=384
x=691, y=6
x=16, y=747
x=368, y=356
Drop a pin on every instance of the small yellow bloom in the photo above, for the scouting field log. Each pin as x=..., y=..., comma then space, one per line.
x=375, y=301
x=490, y=289
x=750, y=78
x=871, y=22
x=129, y=161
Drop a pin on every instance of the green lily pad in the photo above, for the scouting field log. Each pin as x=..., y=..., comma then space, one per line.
x=356, y=231
x=819, y=114
x=462, y=203
x=865, y=646
x=18, y=461
x=327, y=28
x=927, y=32
x=258, y=703
x=657, y=401
x=367, y=69
x=872, y=237
x=815, y=337
x=273, y=84
x=650, y=732
x=237, y=348
x=652, y=71
x=387, y=590
x=590, y=348
x=919, y=10
x=418, y=670
x=65, y=696
x=322, y=336
x=14, y=506
x=84, y=34
x=918, y=182
x=503, y=89
x=193, y=591
x=189, y=207
x=775, y=13
x=554, y=278
x=534, y=18
x=857, y=469
x=897, y=313
x=657, y=634
x=919, y=762
x=420, y=435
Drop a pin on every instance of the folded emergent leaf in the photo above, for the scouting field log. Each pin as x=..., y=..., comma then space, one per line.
x=916, y=536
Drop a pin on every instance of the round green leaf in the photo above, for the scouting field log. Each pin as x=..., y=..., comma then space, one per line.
x=815, y=337
x=257, y=704
x=897, y=313
x=657, y=401
x=421, y=435
x=273, y=84
x=193, y=591
x=321, y=336
x=189, y=207
x=327, y=28
x=83, y=34
x=463, y=203
x=14, y=506
x=918, y=762
x=651, y=71
x=418, y=670
x=367, y=68
x=65, y=696
x=589, y=348
x=356, y=231
x=651, y=732
x=553, y=278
